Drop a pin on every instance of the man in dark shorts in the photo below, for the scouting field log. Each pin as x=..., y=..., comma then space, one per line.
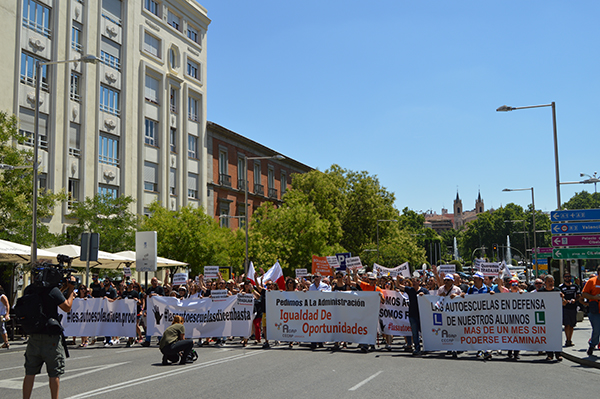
x=48, y=347
x=571, y=296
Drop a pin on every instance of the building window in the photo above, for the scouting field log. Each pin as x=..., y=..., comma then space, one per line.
x=73, y=192
x=174, y=96
x=28, y=63
x=152, y=6
x=172, y=181
x=150, y=133
x=75, y=93
x=283, y=182
x=111, y=10
x=110, y=53
x=151, y=90
x=76, y=37
x=74, y=140
x=193, y=147
x=258, y=188
x=151, y=45
x=36, y=17
x=108, y=191
x=108, y=150
x=173, y=140
x=193, y=69
x=224, y=178
x=271, y=183
x=27, y=127
x=174, y=58
x=150, y=176
x=173, y=20
x=193, y=185
x=42, y=181
x=192, y=109
x=224, y=214
x=192, y=34
x=109, y=100
x=240, y=173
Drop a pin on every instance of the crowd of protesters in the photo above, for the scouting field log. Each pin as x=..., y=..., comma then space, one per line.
x=423, y=283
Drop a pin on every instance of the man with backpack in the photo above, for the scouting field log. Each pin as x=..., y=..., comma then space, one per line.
x=45, y=344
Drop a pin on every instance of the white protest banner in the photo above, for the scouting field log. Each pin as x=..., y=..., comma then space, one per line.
x=218, y=295
x=180, y=278
x=402, y=270
x=301, y=273
x=477, y=263
x=490, y=269
x=127, y=271
x=393, y=313
x=211, y=272
x=323, y=316
x=98, y=316
x=447, y=269
x=202, y=317
x=333, y=261
x=353, y=263
x=529, y=321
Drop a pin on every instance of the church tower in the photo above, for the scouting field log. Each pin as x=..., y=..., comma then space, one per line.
x=479, y=204
x=458, y=210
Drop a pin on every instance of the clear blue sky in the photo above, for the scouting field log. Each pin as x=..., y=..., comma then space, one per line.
x=407, y=91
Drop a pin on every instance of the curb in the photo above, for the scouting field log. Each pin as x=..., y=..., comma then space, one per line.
x=582, y=361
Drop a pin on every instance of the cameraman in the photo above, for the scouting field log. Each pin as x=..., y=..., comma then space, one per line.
x=48, y=347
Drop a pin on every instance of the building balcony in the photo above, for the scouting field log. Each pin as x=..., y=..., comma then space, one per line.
x=259, y=189
x=273, y=193
x=241, y=185
x=224, y=180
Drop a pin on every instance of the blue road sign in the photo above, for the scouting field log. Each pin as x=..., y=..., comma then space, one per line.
x=575, y=215
x=342, y=259
x=542, y=261
x=575, y=228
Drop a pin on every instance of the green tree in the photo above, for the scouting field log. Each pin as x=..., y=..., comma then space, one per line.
x=108, y=216
x=583, y=200
x=190, y=235
x=16, y=190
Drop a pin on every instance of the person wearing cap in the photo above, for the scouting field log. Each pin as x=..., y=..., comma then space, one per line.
x=479, y=287
x=571, y=297
x=449, y=289
x=591, y=292
x=549, y=287
x=514, y=288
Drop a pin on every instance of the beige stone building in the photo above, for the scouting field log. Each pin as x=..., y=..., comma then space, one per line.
x=132, y=124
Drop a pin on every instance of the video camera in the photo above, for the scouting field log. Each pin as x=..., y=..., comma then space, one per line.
x=49, y=275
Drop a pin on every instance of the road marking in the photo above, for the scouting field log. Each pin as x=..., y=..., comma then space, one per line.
x=11, y=368
x=363, y=382
x=142, y=380
x=129, y=350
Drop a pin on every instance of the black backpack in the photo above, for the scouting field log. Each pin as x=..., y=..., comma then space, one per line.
x=29, y=312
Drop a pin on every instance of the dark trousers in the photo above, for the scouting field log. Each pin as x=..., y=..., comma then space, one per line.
x=184, y=346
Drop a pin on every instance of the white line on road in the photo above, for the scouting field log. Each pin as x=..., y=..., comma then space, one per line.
x=182, y=369
x=363, y=382
x=130, y=350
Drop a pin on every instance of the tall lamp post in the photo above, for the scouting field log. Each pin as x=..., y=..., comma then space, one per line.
x=381, y=220
x=506, y=108
x=591, y=179
x=88, y=59
x=534, y=251
x=276, y=157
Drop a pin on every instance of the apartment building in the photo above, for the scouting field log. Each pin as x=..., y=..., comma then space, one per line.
x=132, y=124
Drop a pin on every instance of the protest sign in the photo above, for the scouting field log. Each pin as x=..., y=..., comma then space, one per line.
x=333, y=261
x=320, y=265
x=180, y=278
x=301, y=273
x=490, y=269
x=127, y=271
x=100, y=317
x=477, y=263
x=393, y=313
x=314, y=316
x=342, y=259
x=446, y=269
x=402, y=270
x=353, y=263
x=211, y=272
x=202, y=317
x=529, y=321
x=218, y=295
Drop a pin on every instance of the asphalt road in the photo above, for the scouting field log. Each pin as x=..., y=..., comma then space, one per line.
x=236, y=372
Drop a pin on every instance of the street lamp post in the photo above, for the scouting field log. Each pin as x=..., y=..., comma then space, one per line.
x=246, y=222
x=381, y=220
x=88, y=59
x=591, y=179
x=534, y=251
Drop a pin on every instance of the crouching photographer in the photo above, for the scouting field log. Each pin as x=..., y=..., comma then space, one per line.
x=173, y=342
x=37, y=310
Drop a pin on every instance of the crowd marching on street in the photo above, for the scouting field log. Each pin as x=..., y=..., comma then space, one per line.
x=573, y=298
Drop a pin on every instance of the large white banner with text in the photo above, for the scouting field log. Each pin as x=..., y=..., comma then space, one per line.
x=528, y=321
x=99, y=316
x=393, y=313
x=206, y=317
x=323, y=316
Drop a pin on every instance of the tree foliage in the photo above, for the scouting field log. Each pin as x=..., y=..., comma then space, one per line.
x=16, y=190
x=108, y=216
x=583, y=200
x=190, y=235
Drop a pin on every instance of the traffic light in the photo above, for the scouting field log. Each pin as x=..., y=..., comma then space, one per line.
x=495, y=247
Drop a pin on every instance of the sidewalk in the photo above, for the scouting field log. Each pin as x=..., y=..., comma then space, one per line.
x=577, y=353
